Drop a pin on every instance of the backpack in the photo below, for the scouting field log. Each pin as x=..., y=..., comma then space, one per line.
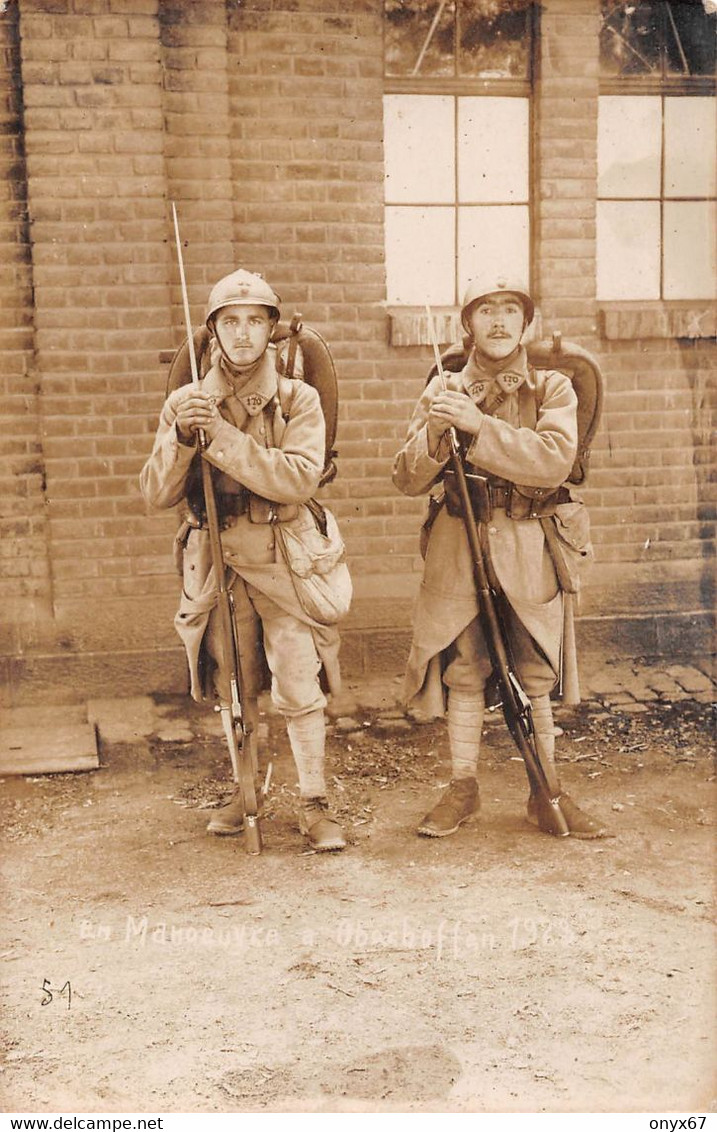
x=565, y=357
x=318, y=371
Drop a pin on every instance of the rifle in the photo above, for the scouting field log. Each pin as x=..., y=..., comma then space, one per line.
x=236, y=717
x=516, y=706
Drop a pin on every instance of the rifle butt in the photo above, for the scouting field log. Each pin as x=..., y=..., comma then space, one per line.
x=252, y=834
x=556, y=823
x=543, y=782
x=244, y=771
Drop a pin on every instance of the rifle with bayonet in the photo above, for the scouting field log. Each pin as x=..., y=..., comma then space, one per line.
x=515, y=703
x=239, y=724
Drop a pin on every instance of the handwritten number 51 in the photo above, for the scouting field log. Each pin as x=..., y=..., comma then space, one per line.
x=49, y=993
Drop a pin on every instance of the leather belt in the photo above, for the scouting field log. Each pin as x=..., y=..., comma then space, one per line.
x=488, y=494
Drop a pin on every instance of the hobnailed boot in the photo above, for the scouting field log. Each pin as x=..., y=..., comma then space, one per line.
x=460, y=803
x=319, y=826
x=581, y=825
x=229, y=819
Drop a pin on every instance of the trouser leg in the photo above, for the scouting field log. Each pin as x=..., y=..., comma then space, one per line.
x=296, y=692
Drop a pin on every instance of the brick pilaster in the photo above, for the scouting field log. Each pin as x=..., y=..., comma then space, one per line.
x=195, y=105
x=565, y=155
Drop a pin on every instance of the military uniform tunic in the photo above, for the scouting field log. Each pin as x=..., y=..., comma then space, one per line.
x=530, y=438
x=271, y=443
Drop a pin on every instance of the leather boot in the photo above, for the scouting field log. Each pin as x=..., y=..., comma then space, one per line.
x=581, y=825
x=229, y=819
x=459, y=804
x=319, y=826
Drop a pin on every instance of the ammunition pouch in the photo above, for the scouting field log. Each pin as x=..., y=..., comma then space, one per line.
x=267, y=511
x=230, y=505
x=229, y=508
x=478, y=490
x=535, y=502
x=488, y=493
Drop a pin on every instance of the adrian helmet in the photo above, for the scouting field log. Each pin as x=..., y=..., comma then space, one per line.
x=242, y=288
x=484, y=285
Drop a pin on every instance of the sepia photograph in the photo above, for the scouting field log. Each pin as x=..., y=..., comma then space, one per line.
x=357, y=502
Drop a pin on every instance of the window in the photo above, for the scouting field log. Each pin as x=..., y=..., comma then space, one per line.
x=656, y=151
x=457, y=144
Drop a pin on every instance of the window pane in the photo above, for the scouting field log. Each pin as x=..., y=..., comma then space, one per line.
x=628, y=250
x=689, y=250
x=690, y=32
x=493, y=238
x=492, y=149
x=420, y=255
x=690, y=147
x=419, y=148
x=629, y=142
x=494, y=38
x=676, y=37
x=630, y=38
x=414, y=46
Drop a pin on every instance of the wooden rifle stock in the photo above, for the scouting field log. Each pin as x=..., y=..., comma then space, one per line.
x=243, y=755
x=514, y=701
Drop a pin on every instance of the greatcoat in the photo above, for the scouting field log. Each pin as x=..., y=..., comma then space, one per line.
x=529, y=439
x=270, y=441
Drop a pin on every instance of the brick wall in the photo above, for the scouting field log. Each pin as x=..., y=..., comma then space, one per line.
x=650, y=493
x=306, y=85
x=262, y=120
x=24, y=562
x=653, y=522
x=96, y=195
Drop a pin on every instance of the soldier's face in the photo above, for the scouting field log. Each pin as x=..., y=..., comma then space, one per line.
x=244, y=332
x=497, y=323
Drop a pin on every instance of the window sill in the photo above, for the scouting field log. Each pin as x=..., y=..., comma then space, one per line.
x=684, y=318
x=408, y=326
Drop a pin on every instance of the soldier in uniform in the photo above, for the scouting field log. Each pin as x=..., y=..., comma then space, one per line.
x=265, y=440
x=519, y=428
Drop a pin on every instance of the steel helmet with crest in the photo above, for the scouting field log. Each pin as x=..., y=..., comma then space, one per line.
x=241, y=288
x=484, y=285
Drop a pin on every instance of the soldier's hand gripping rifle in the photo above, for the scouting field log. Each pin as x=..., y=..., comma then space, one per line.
x=514, y=701
x=242, y=751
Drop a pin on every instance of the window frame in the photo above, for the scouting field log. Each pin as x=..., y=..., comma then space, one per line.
x=661, y=317
x=408, y=323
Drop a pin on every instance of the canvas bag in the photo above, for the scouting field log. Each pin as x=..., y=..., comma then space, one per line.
x=315, y=554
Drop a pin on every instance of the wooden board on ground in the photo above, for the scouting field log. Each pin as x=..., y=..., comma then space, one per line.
x=48, y=750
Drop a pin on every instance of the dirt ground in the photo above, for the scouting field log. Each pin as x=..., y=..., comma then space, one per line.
x=149, y=967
